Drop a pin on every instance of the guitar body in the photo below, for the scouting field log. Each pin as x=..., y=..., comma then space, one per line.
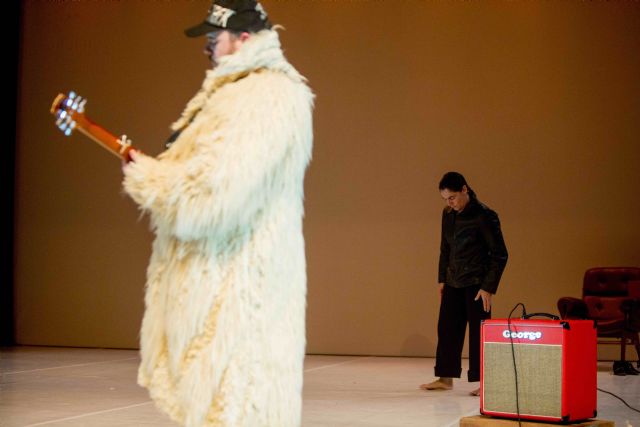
x=69, y=111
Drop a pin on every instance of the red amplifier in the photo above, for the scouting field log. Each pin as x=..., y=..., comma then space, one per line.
x=556, y=365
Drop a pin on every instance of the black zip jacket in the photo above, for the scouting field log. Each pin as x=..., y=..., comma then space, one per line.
x=472, y=249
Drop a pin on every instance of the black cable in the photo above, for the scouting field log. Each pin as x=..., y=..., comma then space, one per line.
x=513, y=356
x=619, y=398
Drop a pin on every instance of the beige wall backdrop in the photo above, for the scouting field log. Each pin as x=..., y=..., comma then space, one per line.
x=536, y=102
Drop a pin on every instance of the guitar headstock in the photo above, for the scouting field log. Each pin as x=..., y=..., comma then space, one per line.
x=67, y=109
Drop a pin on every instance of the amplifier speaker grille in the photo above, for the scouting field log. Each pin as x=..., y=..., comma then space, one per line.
x=539, y=379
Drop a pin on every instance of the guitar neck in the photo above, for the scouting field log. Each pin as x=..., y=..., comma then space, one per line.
x=106, y=139
x=70, y=113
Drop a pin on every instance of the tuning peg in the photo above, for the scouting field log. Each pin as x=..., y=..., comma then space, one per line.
x=70, y=99
x=76, y=103
x=66, y=124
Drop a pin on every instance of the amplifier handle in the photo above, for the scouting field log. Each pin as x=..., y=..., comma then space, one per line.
x=551, y=316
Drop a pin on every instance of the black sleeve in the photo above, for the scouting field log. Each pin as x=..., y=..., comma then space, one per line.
x=444, y=252
x=490, y=228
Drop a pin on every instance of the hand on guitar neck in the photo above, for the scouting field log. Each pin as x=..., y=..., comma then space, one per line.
x=131, y=158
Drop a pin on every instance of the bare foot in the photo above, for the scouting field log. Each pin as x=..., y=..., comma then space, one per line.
x=475, y=392
x=440, y=384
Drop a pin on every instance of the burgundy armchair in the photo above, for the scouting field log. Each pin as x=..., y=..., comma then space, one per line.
x=610, y=296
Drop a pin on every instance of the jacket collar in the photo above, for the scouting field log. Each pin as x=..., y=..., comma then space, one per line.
x=469, y=209
x=261, y=51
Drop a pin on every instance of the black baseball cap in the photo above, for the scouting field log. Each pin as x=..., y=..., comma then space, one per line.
x=237, y=15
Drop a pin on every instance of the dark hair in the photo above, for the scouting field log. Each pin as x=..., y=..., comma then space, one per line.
x=454, y=181
x=236, y=33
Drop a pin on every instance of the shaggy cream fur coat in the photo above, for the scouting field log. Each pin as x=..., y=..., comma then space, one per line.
x=223, y=333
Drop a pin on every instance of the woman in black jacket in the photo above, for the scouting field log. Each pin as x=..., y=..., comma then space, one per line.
x=472, y=258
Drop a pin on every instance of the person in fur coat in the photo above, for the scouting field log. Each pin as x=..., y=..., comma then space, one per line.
x=223, y=334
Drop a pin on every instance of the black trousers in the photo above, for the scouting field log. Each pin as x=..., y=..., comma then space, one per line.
x=457, y=308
